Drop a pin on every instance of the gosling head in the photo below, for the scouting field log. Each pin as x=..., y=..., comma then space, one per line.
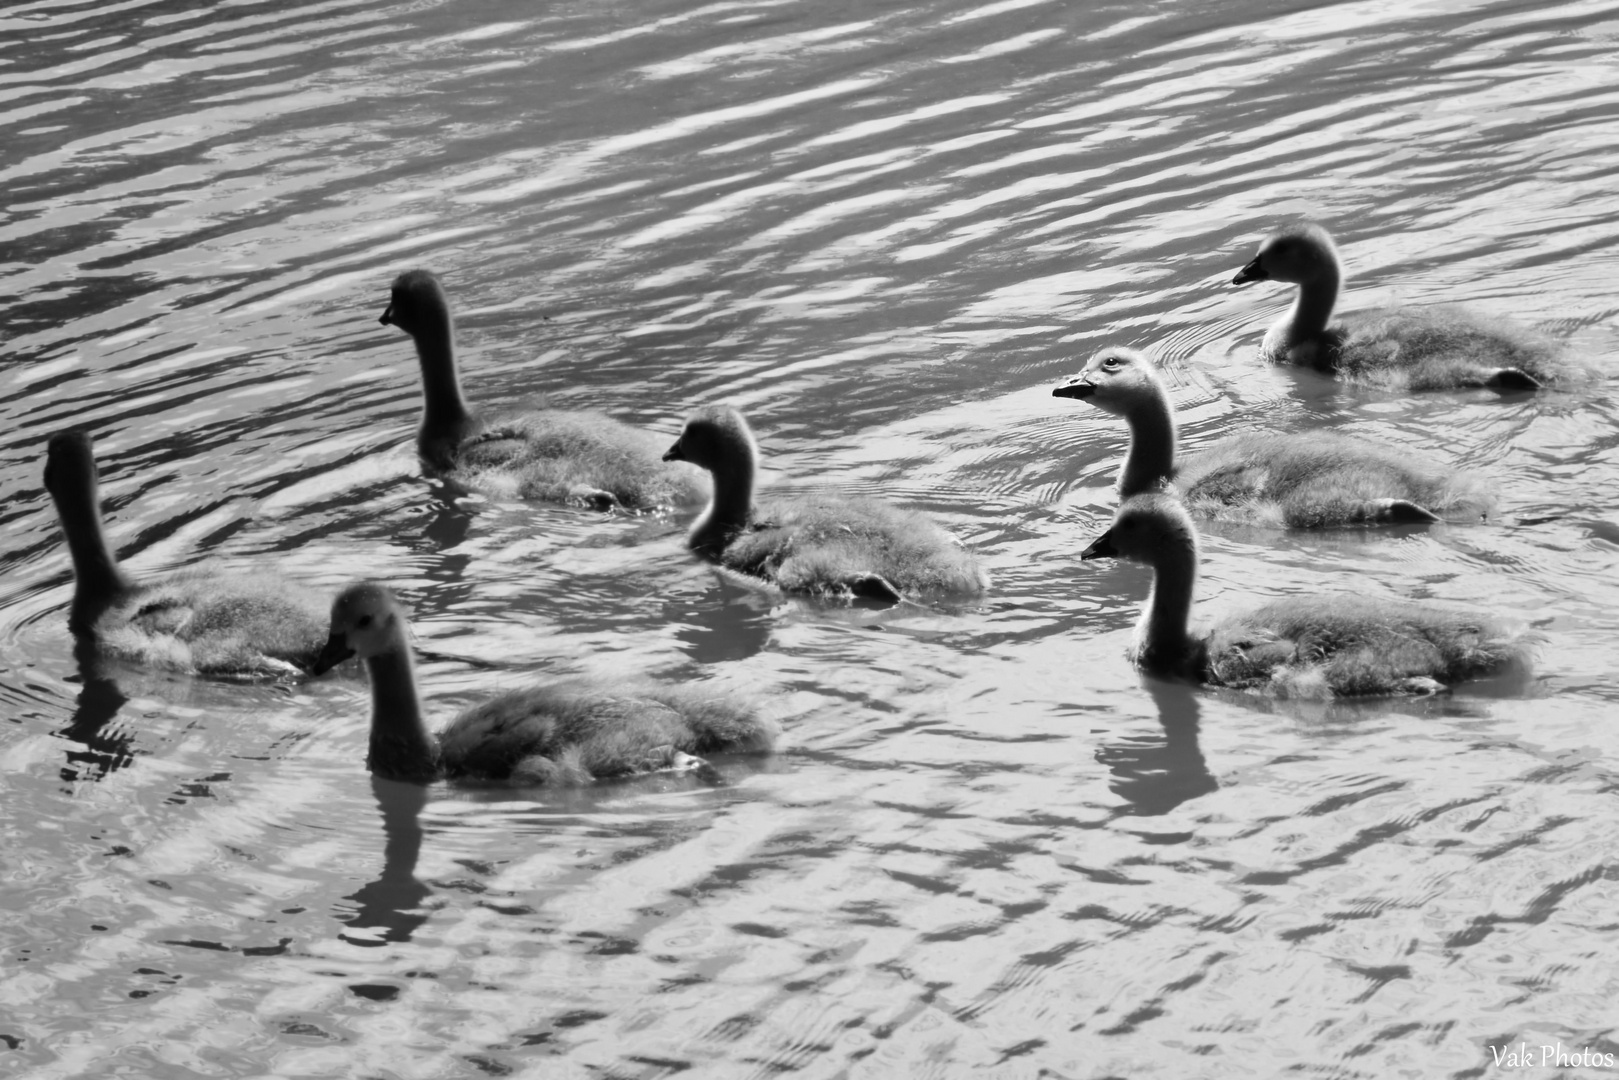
x=1116, y=380
x=1147, y=529
x=70, y=464
x=367, y=621
x=715, y=438
x=1298, y=254
x=418, y=303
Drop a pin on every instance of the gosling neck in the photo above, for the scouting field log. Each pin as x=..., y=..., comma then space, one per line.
x=401, y=746
x=1150, y=461
x=98, y=582
x=444, y=407
x=731, y=510
x=1312, y=308
x=1163, y=645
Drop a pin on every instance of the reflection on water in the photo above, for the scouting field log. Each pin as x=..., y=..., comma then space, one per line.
x=730, y=621
x=448, y=523
x=1156, y=774
x=391, y=905
x=94, y=722
x=989, y=847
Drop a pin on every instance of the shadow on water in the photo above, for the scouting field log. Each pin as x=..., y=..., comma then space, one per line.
x=106, y=746
x=391, y=906
x=1152, y=774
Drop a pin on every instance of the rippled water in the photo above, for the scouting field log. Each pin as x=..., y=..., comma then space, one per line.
x=885, y=231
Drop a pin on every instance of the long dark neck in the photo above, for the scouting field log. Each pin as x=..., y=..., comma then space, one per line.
x=444, y=409
x=1163, y=645
x=401, y=746
x=98, y=583
x=1150, y=460
x=1312, y=308
x=731, y=510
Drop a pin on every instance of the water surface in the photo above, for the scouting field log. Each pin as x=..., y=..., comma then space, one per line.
x=884, y=231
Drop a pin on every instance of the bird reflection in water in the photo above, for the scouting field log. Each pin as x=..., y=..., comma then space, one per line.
x=389, y=909
x=449, y=518
x=106, y=744
x=1154, y=774
x=733, y=625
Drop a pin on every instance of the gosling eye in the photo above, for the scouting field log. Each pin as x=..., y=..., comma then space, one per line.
x=362, y=622
x=1111, y=364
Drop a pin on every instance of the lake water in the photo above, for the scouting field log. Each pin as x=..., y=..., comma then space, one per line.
x=885, y=231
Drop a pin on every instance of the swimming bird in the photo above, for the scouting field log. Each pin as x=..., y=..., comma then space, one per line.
x=1431, y=348
x=825, y=545
x=550, y=455
x=251, y=624
x=1319, y=647
x=537, y=735
x=1316, y=479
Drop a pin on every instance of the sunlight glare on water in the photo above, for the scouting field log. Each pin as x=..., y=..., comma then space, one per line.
x=884, y=231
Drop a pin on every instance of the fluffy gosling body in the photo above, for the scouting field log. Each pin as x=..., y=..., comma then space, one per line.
x=537, y=735
x=1300, y=647
x=823, y=545
x=199, y=621
x=1308, y=480
x=549, y=455
x=1438, y=348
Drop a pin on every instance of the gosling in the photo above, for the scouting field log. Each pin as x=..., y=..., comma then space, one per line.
x=1309, y=480
x=557, y=735
x=823, y=545
x=547, y=455
x=1438, y=348
x=245, y=625
x=1315, y=647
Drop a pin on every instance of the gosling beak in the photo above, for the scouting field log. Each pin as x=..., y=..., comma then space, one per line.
x=673, y=453
x=387, y=317
x=335, y=651
x=1101, y=548
x=1080, y=386
x=1252, y=272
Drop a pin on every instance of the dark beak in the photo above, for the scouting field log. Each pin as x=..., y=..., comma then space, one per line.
x=1252, y=272
x=1101, y=548
x=335, y=652
x=387, y=317
x=674, y=454
x=1077, y=387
